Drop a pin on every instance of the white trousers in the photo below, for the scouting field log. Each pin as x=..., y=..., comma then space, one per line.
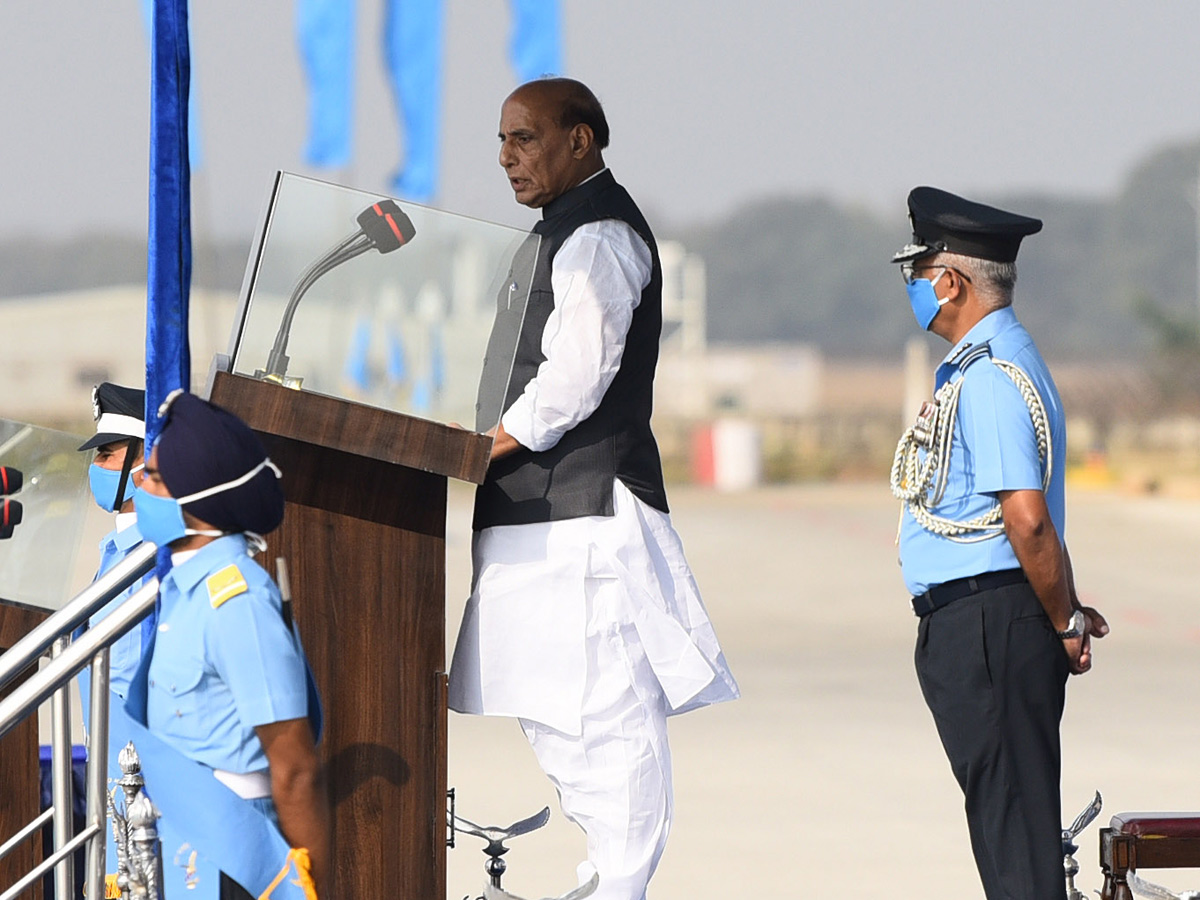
x=613, y=779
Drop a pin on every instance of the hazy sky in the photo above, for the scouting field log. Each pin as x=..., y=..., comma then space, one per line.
x=711, y=103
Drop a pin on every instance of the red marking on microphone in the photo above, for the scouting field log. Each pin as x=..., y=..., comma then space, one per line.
x=395, y=228
x=4, y=477
x=4, y=518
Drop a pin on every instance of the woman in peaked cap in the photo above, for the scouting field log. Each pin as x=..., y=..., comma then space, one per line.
x=114, y=472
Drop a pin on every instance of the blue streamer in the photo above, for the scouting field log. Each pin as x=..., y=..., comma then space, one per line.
x=356, y=369
x=421, y=400
x=325, y=34
x=535, y=43
x=397, y=359
x=437, y=359
x=412, y=51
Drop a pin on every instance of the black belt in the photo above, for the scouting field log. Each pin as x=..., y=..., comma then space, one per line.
x=944, y=594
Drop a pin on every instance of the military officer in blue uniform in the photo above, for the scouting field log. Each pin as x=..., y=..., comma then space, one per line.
x=227, y=684
x=982, y=543
x=114, y=473
x=116, y=470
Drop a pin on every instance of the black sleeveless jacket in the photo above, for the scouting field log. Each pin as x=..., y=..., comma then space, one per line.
x=575, y=477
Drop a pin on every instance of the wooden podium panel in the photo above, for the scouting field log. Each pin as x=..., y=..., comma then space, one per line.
x=20, y=771
x=364, y=539
x=364, y=431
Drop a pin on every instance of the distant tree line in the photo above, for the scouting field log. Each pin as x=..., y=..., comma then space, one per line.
x=31, y=266
x=1107, y=277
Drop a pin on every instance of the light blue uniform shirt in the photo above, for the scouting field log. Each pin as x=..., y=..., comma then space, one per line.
x=124, y=655
x=224, y=661
x=993, y=449
x=126, y=652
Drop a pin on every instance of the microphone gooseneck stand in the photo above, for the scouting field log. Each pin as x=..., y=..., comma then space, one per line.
x=383, y=226
x=354, y=245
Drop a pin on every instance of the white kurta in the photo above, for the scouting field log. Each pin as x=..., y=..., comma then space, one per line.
x=521, y=650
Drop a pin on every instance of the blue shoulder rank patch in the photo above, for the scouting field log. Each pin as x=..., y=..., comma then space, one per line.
x=225, y=585
x=968, y=353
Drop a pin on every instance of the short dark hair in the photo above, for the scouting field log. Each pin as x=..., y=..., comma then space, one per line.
x=132, y=446
x=579, y=107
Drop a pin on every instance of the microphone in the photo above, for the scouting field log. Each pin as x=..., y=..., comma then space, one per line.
x=386, y=226
x=10, y=480
x=10, y=517
x=383, y=226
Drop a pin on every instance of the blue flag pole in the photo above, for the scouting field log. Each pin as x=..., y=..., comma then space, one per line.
x=169, y=262
x=195, y=148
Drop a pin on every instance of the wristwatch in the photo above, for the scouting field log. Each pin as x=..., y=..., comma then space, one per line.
x=1075, y=626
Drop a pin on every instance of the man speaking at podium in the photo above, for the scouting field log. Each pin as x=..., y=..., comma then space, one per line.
x=584, y=621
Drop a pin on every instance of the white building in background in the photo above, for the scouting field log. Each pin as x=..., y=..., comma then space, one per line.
x=685, y=299
x=760, y=381
x=58, y=345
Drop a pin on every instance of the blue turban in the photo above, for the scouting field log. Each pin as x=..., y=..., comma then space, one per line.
x=202, y=446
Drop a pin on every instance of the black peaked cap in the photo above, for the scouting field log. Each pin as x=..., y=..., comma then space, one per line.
x=946, y=223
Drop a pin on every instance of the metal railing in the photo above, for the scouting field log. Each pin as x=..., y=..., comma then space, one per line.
x=68, y=659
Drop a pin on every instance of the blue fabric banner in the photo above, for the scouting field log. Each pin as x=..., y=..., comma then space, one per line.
x=412, y=52
x=325, y=33
x=169, y=263
x=535, y=43
x=195, y=146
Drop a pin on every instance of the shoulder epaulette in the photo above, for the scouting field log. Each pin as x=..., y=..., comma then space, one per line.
x=225, y=585
x=969, y=353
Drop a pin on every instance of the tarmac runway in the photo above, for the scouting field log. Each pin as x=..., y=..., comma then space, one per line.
x=827, y=779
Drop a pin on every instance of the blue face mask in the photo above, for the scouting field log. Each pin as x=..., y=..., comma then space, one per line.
x=104, y=482
x=924, y=301
x=160, y=519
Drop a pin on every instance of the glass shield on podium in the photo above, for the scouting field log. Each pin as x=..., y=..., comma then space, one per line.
x=371, y=353
x=38, y=552
x=46, y=517
x=383, y=303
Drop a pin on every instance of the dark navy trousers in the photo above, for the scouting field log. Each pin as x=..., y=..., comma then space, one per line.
x=994, y=675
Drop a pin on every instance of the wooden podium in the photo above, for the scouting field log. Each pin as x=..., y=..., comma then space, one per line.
x=364, y=539
x=20, y=771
